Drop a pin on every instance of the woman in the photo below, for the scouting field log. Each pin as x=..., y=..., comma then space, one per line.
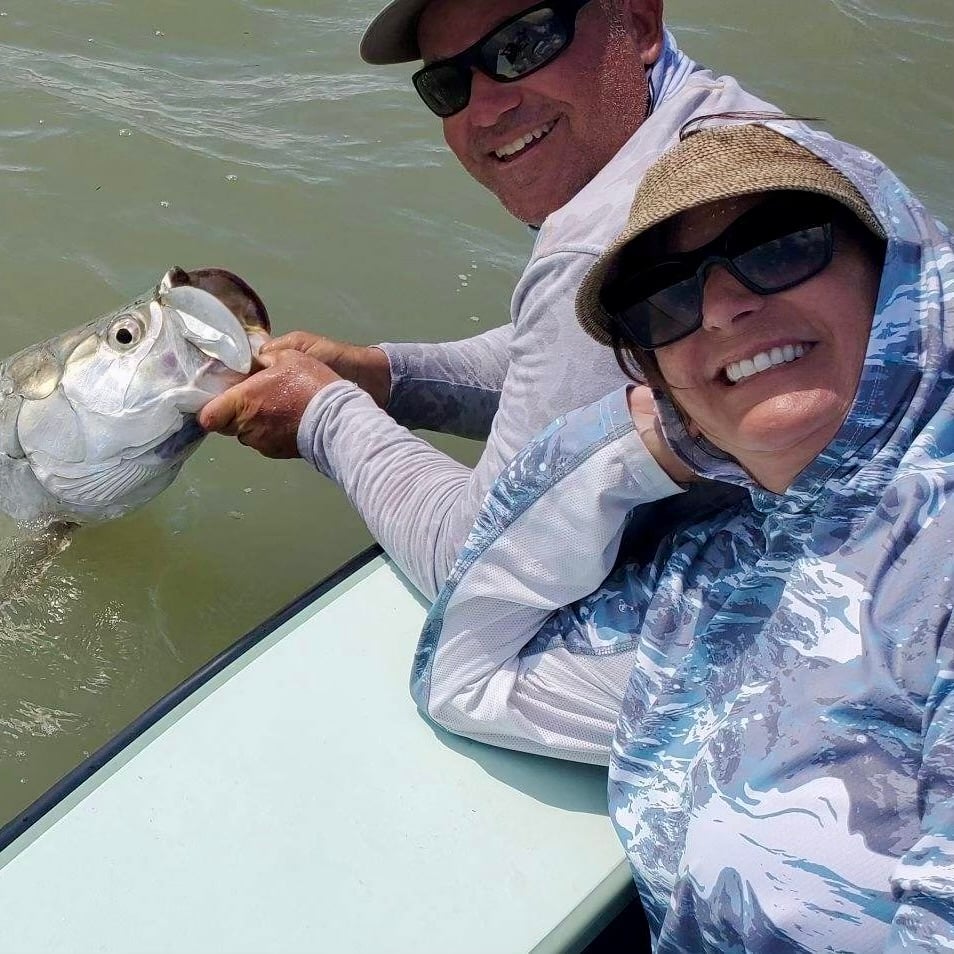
x=771, y=689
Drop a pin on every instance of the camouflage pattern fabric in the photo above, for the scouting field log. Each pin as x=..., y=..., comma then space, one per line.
x=782, y=764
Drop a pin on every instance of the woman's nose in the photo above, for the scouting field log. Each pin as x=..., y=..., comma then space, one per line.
x=725, y=299
x=489, y=100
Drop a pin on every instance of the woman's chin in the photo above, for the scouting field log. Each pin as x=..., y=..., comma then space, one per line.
x=793, y=428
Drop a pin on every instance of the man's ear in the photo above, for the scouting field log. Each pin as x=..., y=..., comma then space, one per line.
x=644, y=20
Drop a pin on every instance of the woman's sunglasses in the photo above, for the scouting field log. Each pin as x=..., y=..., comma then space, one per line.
x=511, y=51
x=775, y=246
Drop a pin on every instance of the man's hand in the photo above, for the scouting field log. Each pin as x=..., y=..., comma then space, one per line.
x=367, y=367
x=264, y=410
x=643, y=411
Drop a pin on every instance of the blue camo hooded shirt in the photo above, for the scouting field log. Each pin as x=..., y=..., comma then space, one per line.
x=773, y=689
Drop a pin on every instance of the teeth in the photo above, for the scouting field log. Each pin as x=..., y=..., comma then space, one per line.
x=763, y=361
x=517, y=145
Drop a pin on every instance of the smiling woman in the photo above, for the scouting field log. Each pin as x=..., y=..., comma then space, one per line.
x=769, y=378
x=771, y=686
x=752, y=311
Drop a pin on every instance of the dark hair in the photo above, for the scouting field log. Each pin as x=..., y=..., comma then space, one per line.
x=636, y=363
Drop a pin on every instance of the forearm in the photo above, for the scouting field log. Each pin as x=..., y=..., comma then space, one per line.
x=451, y=387
x=417, y=502
x=546, y=536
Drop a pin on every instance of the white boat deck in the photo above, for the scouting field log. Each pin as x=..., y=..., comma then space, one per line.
x=299, y=802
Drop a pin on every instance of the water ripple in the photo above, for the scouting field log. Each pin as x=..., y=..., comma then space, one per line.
x=215, y=108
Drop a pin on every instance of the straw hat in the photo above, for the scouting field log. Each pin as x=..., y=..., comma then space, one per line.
x=717, y=163
x=391, y=37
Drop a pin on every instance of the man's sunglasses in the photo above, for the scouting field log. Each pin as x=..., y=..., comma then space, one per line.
x=777, y=245
x=514, y=49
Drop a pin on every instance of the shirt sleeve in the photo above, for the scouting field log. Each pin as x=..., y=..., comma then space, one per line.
x=453, y=387
x=406, y=490
x=418, y=502
x=547, y=535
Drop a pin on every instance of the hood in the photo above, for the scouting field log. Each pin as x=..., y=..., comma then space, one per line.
x=907, y=369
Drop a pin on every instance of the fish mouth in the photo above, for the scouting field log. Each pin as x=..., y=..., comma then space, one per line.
x=213, y=377
x=208, y=325
x=175, y=445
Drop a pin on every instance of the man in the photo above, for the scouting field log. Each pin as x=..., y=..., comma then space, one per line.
x=557, y=110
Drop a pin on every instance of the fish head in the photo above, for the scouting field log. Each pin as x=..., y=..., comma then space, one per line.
x=105, y=415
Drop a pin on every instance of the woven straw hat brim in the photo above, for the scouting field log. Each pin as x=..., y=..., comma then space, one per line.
x=391, y=37
x=713, y=165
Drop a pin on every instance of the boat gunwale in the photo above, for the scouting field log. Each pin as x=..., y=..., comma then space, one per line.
x=20, y=824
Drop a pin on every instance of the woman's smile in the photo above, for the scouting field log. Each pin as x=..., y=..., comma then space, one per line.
x=768, y=359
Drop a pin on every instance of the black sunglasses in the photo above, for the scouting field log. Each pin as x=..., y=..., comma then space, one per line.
x=779, y=244
x=514, y=49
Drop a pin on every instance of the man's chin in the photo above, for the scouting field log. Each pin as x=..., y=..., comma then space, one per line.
x=528, y=208
x=532, y=195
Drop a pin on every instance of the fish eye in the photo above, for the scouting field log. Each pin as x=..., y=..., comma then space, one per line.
x=125, y=333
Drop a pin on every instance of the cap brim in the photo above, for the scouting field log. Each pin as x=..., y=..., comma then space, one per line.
x=391, y=37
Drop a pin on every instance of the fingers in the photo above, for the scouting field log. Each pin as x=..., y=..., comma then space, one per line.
x=368, y=367
x=257, y=341
x=292, y=341
x=264, y=411
x=337, y=355
x=219, y=415
x=269, y=359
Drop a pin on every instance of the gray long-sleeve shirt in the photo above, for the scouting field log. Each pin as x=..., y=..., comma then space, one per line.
x=507, y=383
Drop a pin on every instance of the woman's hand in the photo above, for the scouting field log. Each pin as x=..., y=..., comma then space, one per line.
x=643, y=411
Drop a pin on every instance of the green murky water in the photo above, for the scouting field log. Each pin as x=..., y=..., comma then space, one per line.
x=248, y=135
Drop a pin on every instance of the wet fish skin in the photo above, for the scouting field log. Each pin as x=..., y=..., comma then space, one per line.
x=98, y=420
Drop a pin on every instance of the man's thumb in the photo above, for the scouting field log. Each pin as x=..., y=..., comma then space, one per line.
x=216, y=414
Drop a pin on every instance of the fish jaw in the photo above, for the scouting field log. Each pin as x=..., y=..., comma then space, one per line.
x=234, y=292
x=183, y=442
x=211, y=327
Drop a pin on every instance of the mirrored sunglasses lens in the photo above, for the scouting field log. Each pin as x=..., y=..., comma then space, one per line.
x=786, y=260
x=677, y=312
x=656, y=306
x=524, y=45
x=444, y=88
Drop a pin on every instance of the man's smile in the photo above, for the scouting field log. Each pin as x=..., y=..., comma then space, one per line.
x=522, y=144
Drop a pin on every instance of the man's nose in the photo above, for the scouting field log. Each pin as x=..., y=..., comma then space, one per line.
x=489, y=100
x=725, y=299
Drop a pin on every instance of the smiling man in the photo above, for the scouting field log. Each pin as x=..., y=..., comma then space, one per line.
x=558, y=109
x=535, y=138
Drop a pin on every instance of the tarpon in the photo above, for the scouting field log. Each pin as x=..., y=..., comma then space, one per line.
x=100, y=419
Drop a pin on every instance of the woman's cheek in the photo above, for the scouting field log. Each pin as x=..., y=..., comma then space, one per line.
x=675, y=363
